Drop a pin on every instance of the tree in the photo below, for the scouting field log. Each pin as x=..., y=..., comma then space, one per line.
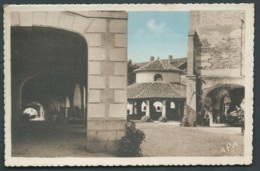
x=130, y=72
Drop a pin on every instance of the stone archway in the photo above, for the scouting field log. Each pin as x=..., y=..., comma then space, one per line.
x=217, y=94
x=105, y=33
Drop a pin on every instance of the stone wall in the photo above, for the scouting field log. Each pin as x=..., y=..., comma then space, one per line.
x=215, y=55
x=221, y=34
x=105, y=34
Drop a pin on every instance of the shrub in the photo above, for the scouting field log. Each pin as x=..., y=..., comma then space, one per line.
x=129, y=145
x=146, y=119
x=163, y=119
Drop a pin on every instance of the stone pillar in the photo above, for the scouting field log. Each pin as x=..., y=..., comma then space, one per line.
x=163, y=108
x=191, y=80
x=107, y=78
x=106, y=35
x=147, y=112
x=133, y=108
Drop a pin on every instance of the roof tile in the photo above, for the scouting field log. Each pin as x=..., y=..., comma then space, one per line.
x=158, y=89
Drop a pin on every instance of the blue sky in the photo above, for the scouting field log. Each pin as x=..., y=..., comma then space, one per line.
x=157, y=34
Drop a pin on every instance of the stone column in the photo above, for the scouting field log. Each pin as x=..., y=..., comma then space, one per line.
x=147, y=108
x=107, y=77
x=133, y=108
x=191, y=79
x=163, y=108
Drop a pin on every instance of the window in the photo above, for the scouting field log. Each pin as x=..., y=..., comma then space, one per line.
x=158, y=77
x=172, y=105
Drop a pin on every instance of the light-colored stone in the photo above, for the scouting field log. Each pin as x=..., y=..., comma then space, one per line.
x=96, y=82
x=96, y=110
x=96, y=124
x=15, y=18
x=103, y=14
x=93, y=39
x=66, y=21
x=117, y=82
x=118, y=54
x=116, y=124
x=120, y=68
x=118, y=26
x=94, y=96
x=80, y=24
x=26, y=18
x=106, y=135
x=94, y=68
x=120, y=40
x=117, y=110
x=97, y=25
x=96, y=53
x=39, y=18
x=53, y=18
x=92, y=135
x=120, y=96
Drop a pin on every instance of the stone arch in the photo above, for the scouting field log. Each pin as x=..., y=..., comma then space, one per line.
x=217, y=94
x=22, y=86
x=33, y=74
x=206, y=91
x=62, y=20
x=107, y=51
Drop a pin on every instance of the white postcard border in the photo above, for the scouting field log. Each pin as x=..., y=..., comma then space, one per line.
x=143, y=161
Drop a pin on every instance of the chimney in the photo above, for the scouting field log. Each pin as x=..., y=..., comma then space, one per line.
x=170, y=59
x=152, y=58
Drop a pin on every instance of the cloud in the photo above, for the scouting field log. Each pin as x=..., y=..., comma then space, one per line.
x=154, y=26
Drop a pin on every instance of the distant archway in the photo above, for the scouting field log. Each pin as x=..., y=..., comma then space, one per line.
x=215, y=100
x=50, y=62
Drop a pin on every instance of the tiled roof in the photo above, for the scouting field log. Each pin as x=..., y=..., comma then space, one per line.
x=157, y=89
x=175, y=62
x=158, y=65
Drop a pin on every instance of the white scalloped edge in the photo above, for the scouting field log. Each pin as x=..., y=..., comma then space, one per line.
x=143, y=161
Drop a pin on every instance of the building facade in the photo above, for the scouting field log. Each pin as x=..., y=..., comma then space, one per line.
x=215, y=68
x=158, y=92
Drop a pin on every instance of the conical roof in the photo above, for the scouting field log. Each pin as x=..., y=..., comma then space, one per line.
x=157, y=89
x=157, y=65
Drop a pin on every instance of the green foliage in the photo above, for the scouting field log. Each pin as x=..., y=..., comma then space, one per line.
x=146, y=119
x=130, y=72
x=163, y=119
x=129, y=145
x=237, y=120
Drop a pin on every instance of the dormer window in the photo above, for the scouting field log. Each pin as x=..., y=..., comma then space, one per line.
x=158, y=77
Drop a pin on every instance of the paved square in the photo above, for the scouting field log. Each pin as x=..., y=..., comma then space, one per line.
x=169, y=139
